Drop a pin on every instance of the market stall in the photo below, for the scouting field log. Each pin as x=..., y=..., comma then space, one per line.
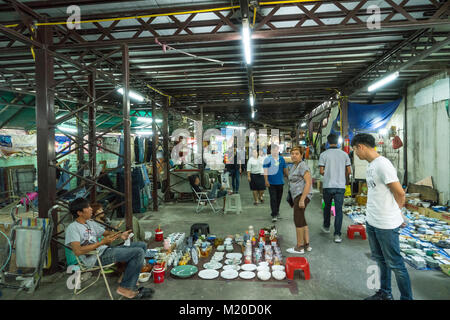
x=254, y=256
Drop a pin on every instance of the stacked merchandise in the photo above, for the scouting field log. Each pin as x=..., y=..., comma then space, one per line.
x=245, y=256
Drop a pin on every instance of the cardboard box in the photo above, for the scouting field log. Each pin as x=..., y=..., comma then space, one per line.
x=412, y=207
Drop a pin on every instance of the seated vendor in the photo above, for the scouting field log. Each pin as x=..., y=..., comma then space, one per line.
x=216, y=192
x=83, y=234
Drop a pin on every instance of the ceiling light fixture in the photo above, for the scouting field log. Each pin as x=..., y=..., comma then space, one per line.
x=132, y=94
x=383, y=81
x=246, y=37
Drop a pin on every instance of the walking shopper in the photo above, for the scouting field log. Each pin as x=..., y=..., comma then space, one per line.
x=274, y=171
x=235, y=171
x=255, y=176
x=300, y=188
x=383, y=218
x=335, y=167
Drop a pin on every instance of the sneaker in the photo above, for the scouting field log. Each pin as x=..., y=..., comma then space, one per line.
x=279, y=216
x=380, y=295
x=337, y=239
x=274, y=219
x=326, y=230
x=295, y=250
x=308, y=248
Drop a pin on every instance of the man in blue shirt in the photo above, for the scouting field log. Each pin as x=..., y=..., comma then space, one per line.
x=274, y=171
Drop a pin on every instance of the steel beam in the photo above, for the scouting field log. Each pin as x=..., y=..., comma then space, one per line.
x=154, y=161
x=127, y=137
x=92, y=135
x=165, y=134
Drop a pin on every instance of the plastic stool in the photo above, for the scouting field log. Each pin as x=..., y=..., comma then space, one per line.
x=233, y=203
x=295, y=263
x=202, y=227
x=356, y=228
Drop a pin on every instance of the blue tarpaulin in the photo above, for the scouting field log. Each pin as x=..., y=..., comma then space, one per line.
x=367, y=117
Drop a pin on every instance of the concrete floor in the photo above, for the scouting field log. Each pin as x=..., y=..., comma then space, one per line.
x=338, y=271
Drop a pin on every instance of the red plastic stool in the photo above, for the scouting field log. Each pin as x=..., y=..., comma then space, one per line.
x=294, y=263
x=356, y=228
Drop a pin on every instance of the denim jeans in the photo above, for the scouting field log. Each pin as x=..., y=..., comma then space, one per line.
x=235, y=180
x=385, y=249
x=215, y=192
x=338, y=195
x=134, y=258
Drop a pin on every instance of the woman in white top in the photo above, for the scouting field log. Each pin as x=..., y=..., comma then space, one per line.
x=255, y=177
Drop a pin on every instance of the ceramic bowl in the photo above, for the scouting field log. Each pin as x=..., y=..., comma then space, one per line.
x=264, y=275
x=263, y=268
x=220, y=248
x=229, y=248
x=144, y=276
x=264, y=263
x=277, y=268
x=279, y=275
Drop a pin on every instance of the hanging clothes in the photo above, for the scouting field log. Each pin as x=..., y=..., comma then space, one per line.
x=64, y=177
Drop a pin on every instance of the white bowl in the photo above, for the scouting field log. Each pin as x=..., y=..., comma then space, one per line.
x=144, y=276
x=264, y=263
x=279, y=275
x=263, y=268
x=264, y=275
x=277, y=268
x=220, y=248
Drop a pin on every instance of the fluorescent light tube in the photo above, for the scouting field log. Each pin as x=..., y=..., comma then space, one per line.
x=67, y=129
x=246, y=41
x=252, y=100
x=144, y=133
x=383, y=81
x=145, y=119
x=132, y=94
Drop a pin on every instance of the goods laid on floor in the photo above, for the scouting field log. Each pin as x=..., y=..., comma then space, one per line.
x=244, y=256
x=425, y=241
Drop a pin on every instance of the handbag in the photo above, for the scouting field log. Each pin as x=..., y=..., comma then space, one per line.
x=289, y=199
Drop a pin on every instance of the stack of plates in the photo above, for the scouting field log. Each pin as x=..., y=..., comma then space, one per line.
x=208, y=274
x=248, y=267
x=213, y=265
x=247, y=275
x=229, y=274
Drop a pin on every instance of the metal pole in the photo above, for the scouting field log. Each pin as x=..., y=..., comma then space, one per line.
x=405, y=140
x=45, y=117
x=154, y=161
x=92, y=133
x=126, y=137
x=80, y=144
x=165, y=134
x=344, y=119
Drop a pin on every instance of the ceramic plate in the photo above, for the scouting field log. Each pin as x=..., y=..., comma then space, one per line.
x=263, y=268
x=229, y=274
x=213, y=265
x=279, y=275
x=234, y=255
x=184, y=271
x=194, y=255
x=264, y=275
x=232, y=267
x=248, y=267
x=247, y=275
x=208, y=274
x=277, y=268
x=232, y=261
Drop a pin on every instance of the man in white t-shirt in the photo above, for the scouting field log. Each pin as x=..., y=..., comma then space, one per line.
x=383, y=218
